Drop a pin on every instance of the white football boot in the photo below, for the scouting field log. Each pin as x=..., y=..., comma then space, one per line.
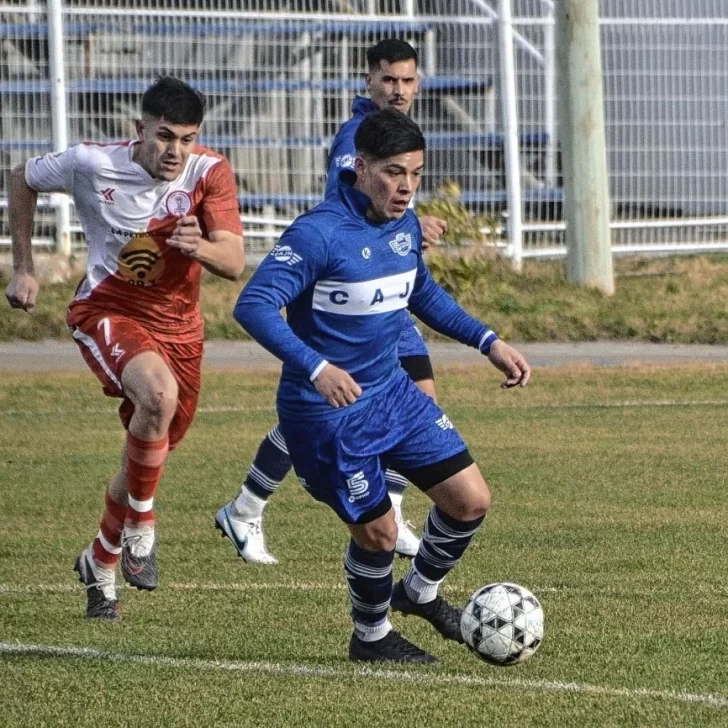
x=408, y=542
x=246, y=535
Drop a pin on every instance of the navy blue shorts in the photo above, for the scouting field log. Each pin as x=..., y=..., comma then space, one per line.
x=411, y=342
x=341, y=461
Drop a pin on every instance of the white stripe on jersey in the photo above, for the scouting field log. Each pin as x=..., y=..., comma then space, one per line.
x=364, y=298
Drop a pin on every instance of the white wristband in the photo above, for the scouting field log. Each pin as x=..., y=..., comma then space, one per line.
x=318, y=370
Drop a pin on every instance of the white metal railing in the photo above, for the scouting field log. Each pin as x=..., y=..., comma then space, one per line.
x=279, y=83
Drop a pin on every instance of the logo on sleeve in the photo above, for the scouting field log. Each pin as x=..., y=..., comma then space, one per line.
x=284, y=254
x=402, y=244
x=345, y=161
x=178, y=203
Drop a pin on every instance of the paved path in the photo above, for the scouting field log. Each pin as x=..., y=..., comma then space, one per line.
x=226, y=355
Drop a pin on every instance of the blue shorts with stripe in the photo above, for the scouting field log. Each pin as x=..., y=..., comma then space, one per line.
x=341, y=461
x=410, y=341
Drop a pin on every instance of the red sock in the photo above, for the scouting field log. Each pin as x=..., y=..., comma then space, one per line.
x=107, y=544
x=144, y=467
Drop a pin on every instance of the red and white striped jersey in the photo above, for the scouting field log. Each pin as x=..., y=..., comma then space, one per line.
x=127, y=216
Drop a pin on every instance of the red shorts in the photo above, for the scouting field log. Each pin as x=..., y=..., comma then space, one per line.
x=109, y=341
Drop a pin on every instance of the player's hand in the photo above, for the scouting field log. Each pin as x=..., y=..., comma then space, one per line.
x=22, y=291
x=187, y=235
x=511, y=362
x=432, y=229
x=336, y=386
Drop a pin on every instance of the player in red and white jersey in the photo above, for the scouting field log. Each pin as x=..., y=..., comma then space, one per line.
x=154, y=211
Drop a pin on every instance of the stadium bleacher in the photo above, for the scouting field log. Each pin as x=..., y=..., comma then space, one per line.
x=273, y=119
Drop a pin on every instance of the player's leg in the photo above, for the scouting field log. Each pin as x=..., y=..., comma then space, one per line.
x=461, y=501
x=241, y=520
x=415, y=360
x=151, y=388
x=162, y=390
x=434, y=457
x=108, y=344
x=353, y=485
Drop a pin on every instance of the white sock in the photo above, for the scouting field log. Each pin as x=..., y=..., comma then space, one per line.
x=248, y=506
x=396, y=499
x=419, y=589
x=372, y=633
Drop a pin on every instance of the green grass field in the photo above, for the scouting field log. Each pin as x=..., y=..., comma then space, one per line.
x=609, y=503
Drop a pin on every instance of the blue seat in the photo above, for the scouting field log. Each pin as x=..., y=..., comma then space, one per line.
x=436, y=140
x=467, y=197
x=139, y=85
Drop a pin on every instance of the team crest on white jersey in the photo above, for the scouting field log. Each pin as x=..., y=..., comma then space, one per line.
x=402, y=244
x=178, y=203
x=284, y=254
x=358, y=487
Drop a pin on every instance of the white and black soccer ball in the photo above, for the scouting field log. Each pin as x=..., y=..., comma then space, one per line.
x=503, y=623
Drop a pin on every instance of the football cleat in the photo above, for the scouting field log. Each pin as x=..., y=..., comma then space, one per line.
x=407, y=541
x=442, y=616
x=100, y=585
x=139, y=558
x=408, y=544
x=391, y=648
x=246, y=536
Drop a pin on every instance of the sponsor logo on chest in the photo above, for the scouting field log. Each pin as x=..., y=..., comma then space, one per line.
x=363, y=298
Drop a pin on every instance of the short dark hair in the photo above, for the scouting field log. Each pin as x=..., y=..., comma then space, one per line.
x=390, y=50
x=174, y=100
x=386, y=133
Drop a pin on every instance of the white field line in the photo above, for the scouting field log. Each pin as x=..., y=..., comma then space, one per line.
x=704, y=590
x=389, y=675
x=626, y=404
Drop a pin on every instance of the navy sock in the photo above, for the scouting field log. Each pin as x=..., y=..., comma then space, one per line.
x=271, y=465
x=369, y=576
x=443, y=543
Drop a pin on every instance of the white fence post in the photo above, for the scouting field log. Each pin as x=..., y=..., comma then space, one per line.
x=549, y=62
x=58, y=118
x=508, y=91
x=581, y=106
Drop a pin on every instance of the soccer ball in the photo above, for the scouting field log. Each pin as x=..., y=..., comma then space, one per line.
x=503, y=623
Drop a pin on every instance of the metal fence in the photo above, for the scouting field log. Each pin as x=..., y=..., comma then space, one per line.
x=280, y=77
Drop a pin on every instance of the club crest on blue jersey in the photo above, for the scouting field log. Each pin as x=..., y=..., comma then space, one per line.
x=402, y=244
x=284, y=254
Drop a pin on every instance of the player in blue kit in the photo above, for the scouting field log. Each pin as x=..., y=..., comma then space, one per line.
x=346, y=272
x=392, y=82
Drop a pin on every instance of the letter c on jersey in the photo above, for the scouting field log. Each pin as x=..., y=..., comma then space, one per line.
x=338, y=297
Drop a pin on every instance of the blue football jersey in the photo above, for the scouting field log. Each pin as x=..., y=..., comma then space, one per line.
x=345, y=282
x=343, y=152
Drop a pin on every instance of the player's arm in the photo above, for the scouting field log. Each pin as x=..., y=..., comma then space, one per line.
x=22, y=291
x=294, y=265
x=49, y=173
x=439, y=310
x=432, y=229
x=222, y=252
